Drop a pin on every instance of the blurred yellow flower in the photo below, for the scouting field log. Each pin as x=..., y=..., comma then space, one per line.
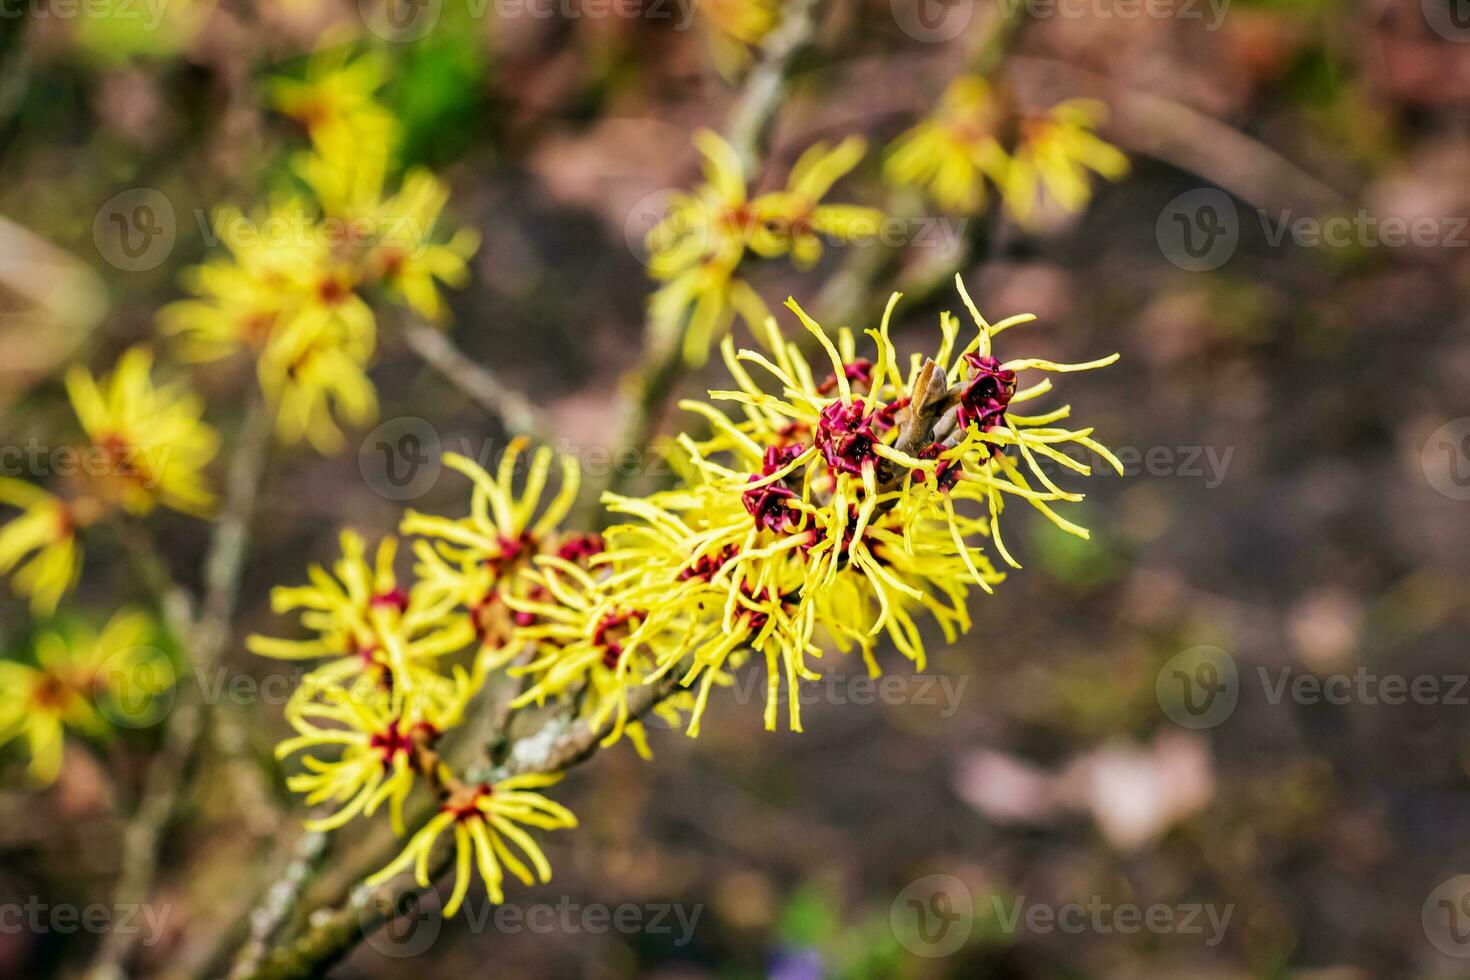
x=46, y=531
x=312, y=377
x=404, y=256
x=698, y=246
x=798, y=214
x=346, y=172
x=154, y=440
x=1054, y=155
x=74, y=668
x=291, y=290
x=959, y=147
x=240, y=300
x=953, y=152
x=336, y=99
x=826, y=512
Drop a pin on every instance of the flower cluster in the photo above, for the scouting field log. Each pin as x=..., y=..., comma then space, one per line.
x=973, y=136
x=292, y=289
x=830, y=509
x=698, y=247
x=832, y=506
x=401, y=664
x=83, y=681
x=146, y=445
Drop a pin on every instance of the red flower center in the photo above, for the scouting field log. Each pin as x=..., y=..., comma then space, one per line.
x=767, y=504
x=394, y=597
x=845, y=437
x=859, y=371
x=985, y=399
x=609, y=634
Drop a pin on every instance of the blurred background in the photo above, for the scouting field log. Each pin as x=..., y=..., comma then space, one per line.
x=1227, y=737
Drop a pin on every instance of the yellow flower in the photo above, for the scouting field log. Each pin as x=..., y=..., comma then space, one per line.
x=276, y=261
x=73, y=669
x=1054, y=155
x=153, y=438
x=736, y=26
x=593, y=645
x=953, y=152
x=346, y=172
x=405, y=258
x=46, y=531
x=336, y=100
x=715, y=224
x=712, y=295
x=477, y=561
x=386, y=738
x=367, y=625
x=312, y=373
x=797, y=214
x=483, y=819
x=698, y=247
x=692, y=563
x=288, y=294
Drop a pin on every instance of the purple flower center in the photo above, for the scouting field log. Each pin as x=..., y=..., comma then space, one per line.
x=845, y=437
x=395, y=597
x=984, y=400
x=859, y=371
x=767, y=504
x=581, y=547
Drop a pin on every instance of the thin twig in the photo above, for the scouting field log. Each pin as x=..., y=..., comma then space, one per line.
x=478, y=383
x=280, y=901
x=766, y=86
x=205, y=639
x=851, y=292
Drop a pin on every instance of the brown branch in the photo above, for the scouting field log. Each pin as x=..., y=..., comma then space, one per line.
x=477, y=382
x=280, y=901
